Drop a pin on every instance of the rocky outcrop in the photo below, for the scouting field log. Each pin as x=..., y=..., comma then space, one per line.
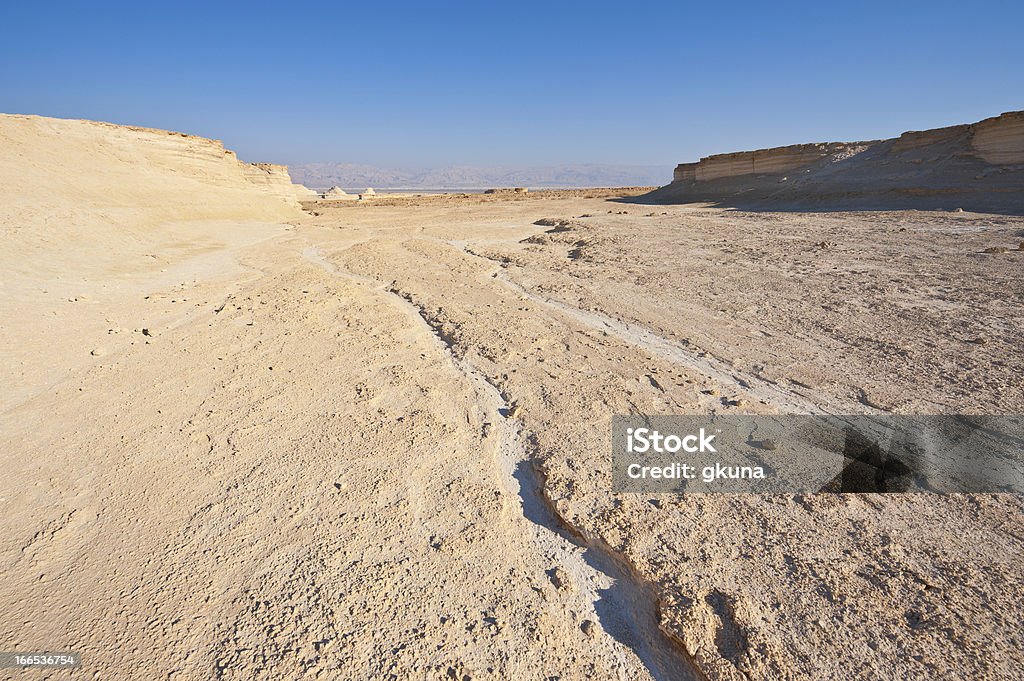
x=977, y=166
x=155, y=174
x=275, y=180
x=1000, y=140
x=762, y=161
x=338, y=194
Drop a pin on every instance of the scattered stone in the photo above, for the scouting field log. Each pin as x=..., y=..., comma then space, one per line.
x=958, y=210
x=515, y=412
x=146, y=332
x=588, y=627
x=980, y=340
x=98, y=352
x=997, y=249
x=1020, y=246
x=551, y=222
x=560, y=579
x=770, y=445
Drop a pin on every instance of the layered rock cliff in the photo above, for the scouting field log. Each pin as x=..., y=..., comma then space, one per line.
x=48, y=162
x=276, y=181
x=762, y=161
x=977, y=166
x=1000, y=140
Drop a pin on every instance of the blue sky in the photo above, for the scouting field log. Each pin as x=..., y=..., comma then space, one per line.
x=478, y=83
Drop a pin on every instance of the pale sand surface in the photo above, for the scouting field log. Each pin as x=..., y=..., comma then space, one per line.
x=373, y=442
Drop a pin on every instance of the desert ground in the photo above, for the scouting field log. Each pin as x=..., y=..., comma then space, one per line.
x=370, y=439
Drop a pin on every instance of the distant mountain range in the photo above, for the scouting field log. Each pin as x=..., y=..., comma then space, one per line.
x=348, y=175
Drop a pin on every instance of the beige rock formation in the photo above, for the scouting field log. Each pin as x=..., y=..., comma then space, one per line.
x=1000, y=140
x=118, y=199
x=338, y=194
x=274, y=180
x=762, y=161
x=110, y=170
x=972, y=165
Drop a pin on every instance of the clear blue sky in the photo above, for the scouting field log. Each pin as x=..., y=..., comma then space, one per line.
x=489, y=83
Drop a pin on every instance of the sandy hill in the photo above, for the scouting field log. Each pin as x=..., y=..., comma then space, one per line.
x=977, y=166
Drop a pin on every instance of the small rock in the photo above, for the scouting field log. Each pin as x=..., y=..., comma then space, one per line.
x=550, y=222
x=958, y=210
x=146, y=332
x=560, y=579
x=98, y=352
x=996, y=249
x=980, y=340
x=588, y=627
x=770, y=445
x=1020, y=246
x=515, y=412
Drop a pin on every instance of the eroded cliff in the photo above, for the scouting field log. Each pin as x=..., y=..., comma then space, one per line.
x=52, y=165
x=977, y=166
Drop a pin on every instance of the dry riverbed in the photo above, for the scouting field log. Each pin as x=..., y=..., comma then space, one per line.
x=374, y=443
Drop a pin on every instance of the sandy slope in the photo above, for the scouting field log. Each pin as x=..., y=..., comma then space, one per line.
x=372, y=442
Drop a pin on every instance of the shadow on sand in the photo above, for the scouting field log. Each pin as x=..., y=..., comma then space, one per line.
x=1006, y=201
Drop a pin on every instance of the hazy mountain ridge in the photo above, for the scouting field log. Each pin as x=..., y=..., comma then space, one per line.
x=324, y=175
